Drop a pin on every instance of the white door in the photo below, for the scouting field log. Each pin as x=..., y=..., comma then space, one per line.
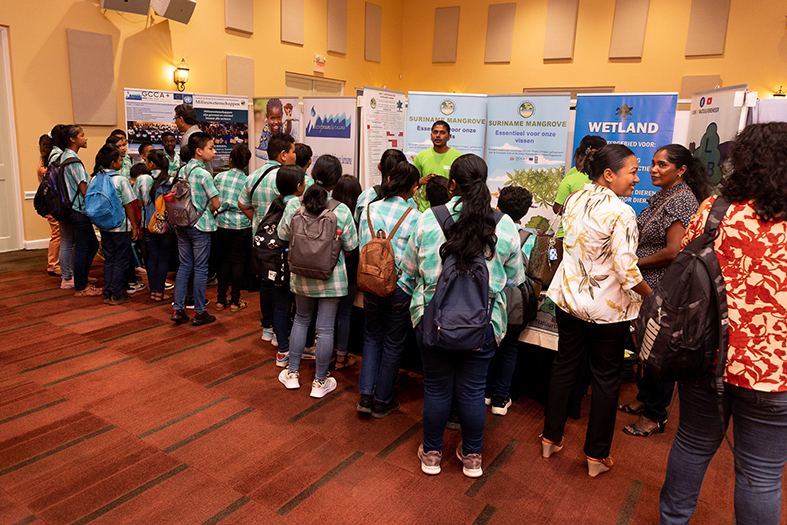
x=10, y=205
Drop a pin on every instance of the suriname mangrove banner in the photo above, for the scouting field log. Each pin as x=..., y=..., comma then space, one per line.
x=644, y=122
x=465, y=113
x=526, y=140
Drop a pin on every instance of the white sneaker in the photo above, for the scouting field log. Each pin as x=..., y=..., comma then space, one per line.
x=290, y=379
x=267, y=334
x=309, y=354
x=135, y=287
x=67, y=284
x=282, y=359
x=487, y=401
x=322, y=387
x=275, y=340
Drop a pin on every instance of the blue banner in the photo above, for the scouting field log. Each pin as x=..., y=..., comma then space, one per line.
x=466, y=114
x=526, y=141
x=642, y=122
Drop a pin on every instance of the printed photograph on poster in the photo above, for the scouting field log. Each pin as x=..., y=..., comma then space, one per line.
x=273, y=115
x=526, y=142
x=385, y=117
x=330, y=129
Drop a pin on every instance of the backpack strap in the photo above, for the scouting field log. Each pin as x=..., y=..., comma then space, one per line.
x=445, y=220
x=264, y=173
x=395, y=228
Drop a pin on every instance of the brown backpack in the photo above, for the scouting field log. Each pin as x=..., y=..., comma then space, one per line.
x=376, y=264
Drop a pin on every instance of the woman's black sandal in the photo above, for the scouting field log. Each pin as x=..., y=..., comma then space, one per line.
x=628, y=410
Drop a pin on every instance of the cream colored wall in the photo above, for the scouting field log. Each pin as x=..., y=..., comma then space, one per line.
x=146, y=50
x=755, y=52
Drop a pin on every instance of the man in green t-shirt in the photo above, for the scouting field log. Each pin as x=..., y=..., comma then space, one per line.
x=434, y=161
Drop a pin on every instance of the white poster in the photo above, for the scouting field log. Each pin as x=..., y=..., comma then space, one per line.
x=715, y=120
x=150, y=113
x=384, y=119
x=329, y=129
x=465, y=113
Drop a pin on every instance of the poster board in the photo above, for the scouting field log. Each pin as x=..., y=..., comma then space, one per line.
x=271, y=115
x=330, y=129
x=149, y=113
x=465, y=113
x=384, y=114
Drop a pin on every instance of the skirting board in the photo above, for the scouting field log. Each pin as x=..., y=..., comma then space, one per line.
x=39, y=244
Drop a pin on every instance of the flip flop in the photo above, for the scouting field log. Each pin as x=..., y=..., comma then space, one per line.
x=349, y=360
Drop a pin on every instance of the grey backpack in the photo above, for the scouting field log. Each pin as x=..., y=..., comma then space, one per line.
x=315, y=242
x=180, y=209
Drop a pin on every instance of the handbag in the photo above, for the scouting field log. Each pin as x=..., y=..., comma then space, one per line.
x=546, y=256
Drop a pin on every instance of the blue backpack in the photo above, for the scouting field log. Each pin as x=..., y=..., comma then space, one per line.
x=458, y=316
x=102, y=203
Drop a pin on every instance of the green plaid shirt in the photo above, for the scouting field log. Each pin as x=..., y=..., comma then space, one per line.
x=125, y=170
x=368, y=196
x=336, y=284
x=230, y=185
x=385, y=215
x=174, y=163
x=202, y=190
x=265, y=193
x=74, y=174
x=421, y=265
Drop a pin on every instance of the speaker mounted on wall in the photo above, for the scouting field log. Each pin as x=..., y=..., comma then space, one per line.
x=138, y=7
x=177, y=10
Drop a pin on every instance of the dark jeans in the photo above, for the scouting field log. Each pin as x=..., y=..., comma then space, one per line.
x=282, y=306
x=385, y=330
x=85, y=248
x=232, y=246
x=605, y=344
x=344, y=318
x=501, y=369
x=159, y=248
x=194, y=250
x=266, y=304
x=656, y=395
x=458, y=377
x=117, y=254
x=760, y=437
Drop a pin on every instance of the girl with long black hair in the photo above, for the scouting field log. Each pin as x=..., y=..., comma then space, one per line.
x=309, y=291
x=451, y=375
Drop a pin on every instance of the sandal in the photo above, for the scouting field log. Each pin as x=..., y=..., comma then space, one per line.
x=634, y=430
x=240, y=306
x=628, y=410
x=220, y=306
x=155, y=297
x=344, y=361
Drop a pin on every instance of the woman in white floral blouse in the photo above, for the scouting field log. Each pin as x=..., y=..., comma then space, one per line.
x=597, y=289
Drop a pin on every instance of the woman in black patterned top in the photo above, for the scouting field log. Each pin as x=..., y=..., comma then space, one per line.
x=683, y=184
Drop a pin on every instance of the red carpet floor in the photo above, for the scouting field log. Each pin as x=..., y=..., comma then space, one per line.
x=115, y=415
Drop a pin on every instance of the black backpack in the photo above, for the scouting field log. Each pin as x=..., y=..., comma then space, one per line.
x=458, y=316
x=269, y=252
x=52, y=194
x=683, y=324
x=522, y=301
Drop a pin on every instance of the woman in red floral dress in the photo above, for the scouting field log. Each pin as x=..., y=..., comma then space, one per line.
x=752, y=252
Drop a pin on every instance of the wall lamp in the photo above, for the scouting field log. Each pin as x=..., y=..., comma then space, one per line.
x=181, y=74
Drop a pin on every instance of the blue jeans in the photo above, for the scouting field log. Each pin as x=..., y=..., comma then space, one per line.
x=458, y=377
x=159, y=248
x=117, y=254
x=194, y=251
x=282, y=298
x=66, y=249
x=760, y=437
x=326, y=317
x=85, y=248
x=385, y=331
x=343, y=318
x=501, y=369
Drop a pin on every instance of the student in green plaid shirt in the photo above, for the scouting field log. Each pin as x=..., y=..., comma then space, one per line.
x=452, y=375
x=168, y=141
x=258, y=193
x=385, y=324
x=118, y=138
x=234, y=229
x=194, y=242
x=326, y=173
x=390, y=159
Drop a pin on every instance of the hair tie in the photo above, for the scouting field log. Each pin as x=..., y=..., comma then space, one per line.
x=587, y=151
x=318, y=182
